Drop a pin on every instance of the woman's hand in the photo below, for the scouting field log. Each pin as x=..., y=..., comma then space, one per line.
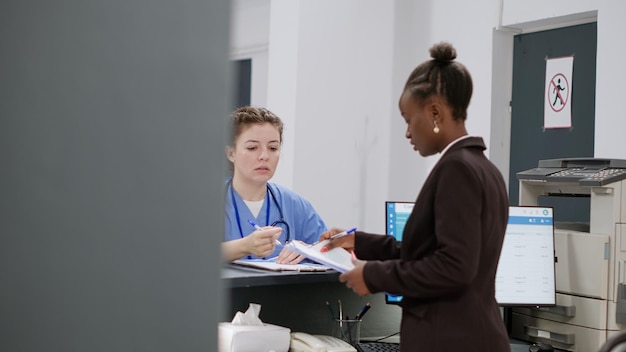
x=354, y=278
x=346, y=241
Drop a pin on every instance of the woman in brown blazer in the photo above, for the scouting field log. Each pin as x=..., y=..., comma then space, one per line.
x=445, y=266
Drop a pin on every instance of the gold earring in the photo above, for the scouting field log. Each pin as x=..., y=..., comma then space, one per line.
x=436, y=129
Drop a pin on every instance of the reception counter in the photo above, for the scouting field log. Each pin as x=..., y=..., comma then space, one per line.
x=236, y=276
x=298, y=300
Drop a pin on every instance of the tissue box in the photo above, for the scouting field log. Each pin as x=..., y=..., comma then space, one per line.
x=253, y=338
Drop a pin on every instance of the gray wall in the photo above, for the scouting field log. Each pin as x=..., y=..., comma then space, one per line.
x=112, y=125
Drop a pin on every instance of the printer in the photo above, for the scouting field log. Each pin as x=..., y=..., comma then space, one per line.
x=591, y=257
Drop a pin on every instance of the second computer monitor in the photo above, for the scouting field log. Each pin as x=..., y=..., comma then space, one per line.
x=526, y=271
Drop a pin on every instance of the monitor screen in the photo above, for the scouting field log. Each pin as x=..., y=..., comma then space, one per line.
x=396, y=215
x=526, y=271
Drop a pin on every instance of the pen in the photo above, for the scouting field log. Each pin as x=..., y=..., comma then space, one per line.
x=260, y=228
x=364, y=310
x=330, y=309
x=341, y=234
x=340, y=311
x=337, y=235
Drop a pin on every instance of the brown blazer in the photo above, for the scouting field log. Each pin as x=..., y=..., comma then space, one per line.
x=445, y=266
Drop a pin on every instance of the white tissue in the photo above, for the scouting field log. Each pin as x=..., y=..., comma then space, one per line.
x=247, y=333
x=250, y=317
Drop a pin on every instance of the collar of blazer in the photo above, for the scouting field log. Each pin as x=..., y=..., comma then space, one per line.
x=464, y=142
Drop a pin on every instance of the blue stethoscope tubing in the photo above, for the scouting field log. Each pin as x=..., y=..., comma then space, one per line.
x=267, y=212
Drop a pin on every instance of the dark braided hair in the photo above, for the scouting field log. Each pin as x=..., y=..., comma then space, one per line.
x=442, y=76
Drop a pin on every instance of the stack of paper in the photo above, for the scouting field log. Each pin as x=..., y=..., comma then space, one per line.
x=336, y=258
x=270, y=264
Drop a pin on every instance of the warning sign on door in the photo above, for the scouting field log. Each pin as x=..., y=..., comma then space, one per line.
x=558, y=93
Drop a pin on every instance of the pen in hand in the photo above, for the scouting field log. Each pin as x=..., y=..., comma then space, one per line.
x=260, y=228
x=337, y=235
x=344, y=233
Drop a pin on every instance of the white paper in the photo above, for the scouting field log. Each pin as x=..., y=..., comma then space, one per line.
x=336, y=258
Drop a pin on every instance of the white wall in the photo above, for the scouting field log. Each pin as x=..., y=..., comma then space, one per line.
x=336, y=69
x=418, y=25
x=344, y=91
x=610, y=78
x=249, y=39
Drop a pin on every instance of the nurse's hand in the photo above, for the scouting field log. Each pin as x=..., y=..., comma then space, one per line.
x=346, y=241
x=288, y=256
x=262, y=242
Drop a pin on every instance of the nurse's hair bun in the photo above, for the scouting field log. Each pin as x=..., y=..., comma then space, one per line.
x=443, y=52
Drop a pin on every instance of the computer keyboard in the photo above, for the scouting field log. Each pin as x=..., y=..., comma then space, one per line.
x=378, y=347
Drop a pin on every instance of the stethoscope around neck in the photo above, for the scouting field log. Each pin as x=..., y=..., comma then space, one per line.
x=280, y=222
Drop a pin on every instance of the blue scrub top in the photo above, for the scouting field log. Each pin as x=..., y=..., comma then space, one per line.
x=304, y=222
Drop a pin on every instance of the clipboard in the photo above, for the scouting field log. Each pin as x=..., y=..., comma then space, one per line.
x=271, y=265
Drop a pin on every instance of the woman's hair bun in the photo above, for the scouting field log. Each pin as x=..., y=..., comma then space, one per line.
x=443, y=51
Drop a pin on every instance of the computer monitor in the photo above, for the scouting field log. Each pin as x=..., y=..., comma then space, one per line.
x=396, y=215
x=526, y=270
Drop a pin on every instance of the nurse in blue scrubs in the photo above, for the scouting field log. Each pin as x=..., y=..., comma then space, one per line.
x=279, y=213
